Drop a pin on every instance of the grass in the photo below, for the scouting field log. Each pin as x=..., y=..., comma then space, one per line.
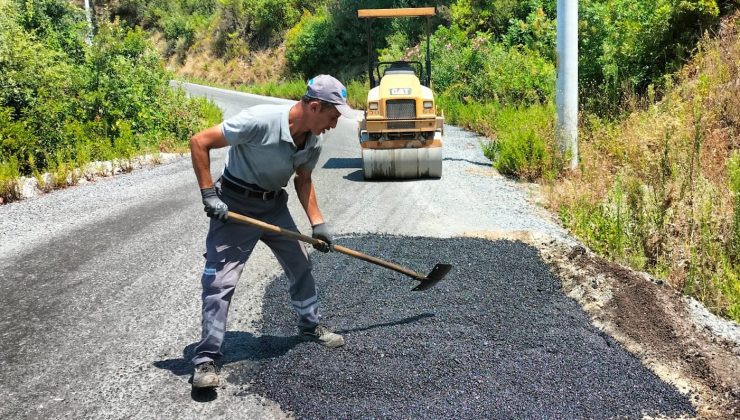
x=660, y=189
x=9, y=176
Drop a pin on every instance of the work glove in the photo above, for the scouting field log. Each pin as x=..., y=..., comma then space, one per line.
x=214, y=207
x=321, y=231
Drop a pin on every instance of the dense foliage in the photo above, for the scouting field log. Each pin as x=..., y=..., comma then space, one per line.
x=479, y=70
x=333, y=39
x=631, y=44
x=636, y=43
x=237, y=26
x=64, y=103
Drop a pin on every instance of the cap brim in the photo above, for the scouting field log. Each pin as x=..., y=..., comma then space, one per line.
x=345, y=110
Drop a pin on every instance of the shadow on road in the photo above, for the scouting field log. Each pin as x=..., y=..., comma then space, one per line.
x=343, y=163
x=238, y=346
x=358, y=176
x=408, y=320
x=244, y=346
x=203, y=395
x=355, y=176
x=486, y=164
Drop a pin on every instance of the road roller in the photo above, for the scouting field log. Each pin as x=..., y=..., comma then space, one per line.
x=401, y=133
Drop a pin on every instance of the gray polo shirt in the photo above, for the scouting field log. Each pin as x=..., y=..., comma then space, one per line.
x=262, y=149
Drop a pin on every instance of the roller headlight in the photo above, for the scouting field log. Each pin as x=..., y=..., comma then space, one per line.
x=428, y=104
x=373, y=106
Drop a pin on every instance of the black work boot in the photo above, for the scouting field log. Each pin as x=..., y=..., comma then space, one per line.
x=205, y=375
x=322, y=335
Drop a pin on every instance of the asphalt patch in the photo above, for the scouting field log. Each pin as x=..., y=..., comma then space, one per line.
x=497, y=338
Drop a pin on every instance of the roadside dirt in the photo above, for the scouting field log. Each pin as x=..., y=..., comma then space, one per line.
x=652, y=321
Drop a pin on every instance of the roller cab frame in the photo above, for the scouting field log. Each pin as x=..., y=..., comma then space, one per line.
x=401, y=133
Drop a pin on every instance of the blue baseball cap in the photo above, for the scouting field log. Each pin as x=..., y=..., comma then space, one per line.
x=331, y=90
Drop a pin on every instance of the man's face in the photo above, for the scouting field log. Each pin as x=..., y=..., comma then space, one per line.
x=322, y=120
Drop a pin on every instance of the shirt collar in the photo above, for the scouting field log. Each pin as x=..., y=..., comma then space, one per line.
x=285, y=132
x=285, y=127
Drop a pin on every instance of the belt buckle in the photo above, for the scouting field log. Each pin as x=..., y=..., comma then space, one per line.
x=264, y=195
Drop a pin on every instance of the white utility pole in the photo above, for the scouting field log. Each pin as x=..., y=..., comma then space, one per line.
x=566, y=90
x=88, y=15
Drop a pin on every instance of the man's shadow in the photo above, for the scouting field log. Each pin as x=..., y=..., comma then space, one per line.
x=238, y=346
x=244, y=346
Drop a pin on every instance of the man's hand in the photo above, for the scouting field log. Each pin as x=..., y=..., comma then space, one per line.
x=321, y=231
x=214, y=207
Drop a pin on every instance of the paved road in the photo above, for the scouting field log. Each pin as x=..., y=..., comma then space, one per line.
x=99, y=287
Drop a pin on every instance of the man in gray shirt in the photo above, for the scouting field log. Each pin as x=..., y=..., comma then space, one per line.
x=269, y=143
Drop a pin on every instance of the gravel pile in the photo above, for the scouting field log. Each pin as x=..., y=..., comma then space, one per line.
x=497, y=338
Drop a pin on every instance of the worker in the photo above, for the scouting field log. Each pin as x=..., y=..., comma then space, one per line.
x=269, y=144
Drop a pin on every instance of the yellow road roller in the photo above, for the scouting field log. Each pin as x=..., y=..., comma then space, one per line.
x=401, y=133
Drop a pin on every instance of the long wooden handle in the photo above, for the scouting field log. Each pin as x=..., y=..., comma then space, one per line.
x=313, y=241
x=274, y=229
x=378, y=261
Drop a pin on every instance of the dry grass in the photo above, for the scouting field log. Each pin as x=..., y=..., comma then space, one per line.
x=200, y=64
x=658, y=181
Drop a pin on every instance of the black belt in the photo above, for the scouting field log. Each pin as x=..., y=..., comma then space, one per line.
x=265, y=195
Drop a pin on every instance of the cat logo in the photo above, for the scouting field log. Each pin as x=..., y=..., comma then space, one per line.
x=401, y=91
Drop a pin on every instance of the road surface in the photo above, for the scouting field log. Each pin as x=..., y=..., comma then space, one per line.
x=100, y=290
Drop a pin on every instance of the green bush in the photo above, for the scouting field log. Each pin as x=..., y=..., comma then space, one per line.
x=608, y=226
x=270, y=18
x=537, y=33
x=333, y=39
x=523, y=138
x=476, y=116
x=625, y=45
x=631, y=44
x=494, y=16
x=32, y=76
x=154, y=13
x=292, y=89
x=357, y=91
x=124, y=76
x=58, y=113
x=309, y=46
x=482, y=71
x=296, y=88
x=9, y=174
x=179, y=21
x=733, y=170
x=180, y=32
x=62, y=26
x=230, y=38
x=244, y=25
x=524, y=146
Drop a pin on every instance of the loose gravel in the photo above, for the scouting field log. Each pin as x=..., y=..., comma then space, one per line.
x=496, y=339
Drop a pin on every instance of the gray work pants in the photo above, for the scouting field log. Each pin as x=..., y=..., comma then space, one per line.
x=228, y=246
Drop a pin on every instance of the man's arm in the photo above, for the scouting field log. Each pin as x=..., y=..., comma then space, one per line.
x=200, y=146
x=307, y=196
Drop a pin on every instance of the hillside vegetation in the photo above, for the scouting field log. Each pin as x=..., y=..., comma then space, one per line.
x=660, y=188
x=68, y=98
x=659, y=178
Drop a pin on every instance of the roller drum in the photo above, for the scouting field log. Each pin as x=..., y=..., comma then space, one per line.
x=402, y=163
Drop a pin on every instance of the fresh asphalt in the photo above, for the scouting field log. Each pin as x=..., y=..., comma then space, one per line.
x=100, y=291
x=496, y=339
